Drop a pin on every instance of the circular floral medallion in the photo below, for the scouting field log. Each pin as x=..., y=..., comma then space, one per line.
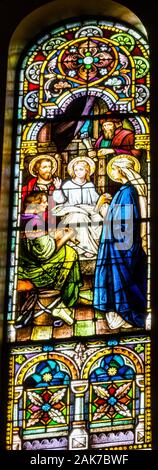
x=142, y=94
x=31, y=100
x=88, y=31
x=52, y=44
x=125, y=40
x=87, y=60
x=142, y=66
x=33, y=72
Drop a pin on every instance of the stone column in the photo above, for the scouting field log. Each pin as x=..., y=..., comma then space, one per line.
x=139, y=430
x=17, y=444
x=78, y=438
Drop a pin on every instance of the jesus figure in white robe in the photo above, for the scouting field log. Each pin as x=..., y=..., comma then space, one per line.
x=79, y=206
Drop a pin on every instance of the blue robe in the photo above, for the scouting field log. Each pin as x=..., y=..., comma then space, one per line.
x=121, y=275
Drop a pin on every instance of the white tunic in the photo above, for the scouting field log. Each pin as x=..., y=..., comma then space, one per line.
x=76, y=206
x=75, y=193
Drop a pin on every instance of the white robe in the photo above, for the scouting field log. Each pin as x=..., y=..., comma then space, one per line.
x=76, y=206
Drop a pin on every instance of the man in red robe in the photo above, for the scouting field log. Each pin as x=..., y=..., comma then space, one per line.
x=117, y=139
x=42, y=168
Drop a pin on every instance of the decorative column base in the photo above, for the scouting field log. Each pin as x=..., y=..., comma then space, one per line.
x=78, y=438
x=16, y=441
x=139, y=431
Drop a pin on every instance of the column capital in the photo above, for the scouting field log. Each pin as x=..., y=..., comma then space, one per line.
x=79, y=387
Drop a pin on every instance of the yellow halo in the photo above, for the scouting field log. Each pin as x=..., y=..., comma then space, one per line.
x=124, y=157
x=42, y=157
x=81, y=159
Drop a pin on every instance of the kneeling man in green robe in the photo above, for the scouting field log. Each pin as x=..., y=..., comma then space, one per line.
x=47, y=260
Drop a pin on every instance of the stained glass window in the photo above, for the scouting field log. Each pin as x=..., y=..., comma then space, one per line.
x=66, y=395
x=79, y=279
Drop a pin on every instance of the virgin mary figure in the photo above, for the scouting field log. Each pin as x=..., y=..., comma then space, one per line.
x=121, y=268
x=81, y=207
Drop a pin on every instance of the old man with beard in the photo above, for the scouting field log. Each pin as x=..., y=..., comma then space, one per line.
x=116, y=139
x=42, y=168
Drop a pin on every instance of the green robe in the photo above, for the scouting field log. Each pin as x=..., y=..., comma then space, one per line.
x=45, y=267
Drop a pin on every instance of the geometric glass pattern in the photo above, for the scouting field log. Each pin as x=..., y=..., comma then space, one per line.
x=63, y=396
x=45, y=407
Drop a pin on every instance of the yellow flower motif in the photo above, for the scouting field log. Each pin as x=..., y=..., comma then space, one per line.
x=112, y=371
x=20, y=359
x=47, y=377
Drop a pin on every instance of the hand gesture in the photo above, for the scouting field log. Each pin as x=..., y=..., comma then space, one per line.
x=57, y=182
x=104, y=198
x=105, y=151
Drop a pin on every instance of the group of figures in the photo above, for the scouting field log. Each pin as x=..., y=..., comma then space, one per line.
x=67, y=223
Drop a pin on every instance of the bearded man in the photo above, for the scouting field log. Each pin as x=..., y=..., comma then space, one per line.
x=116, y=139
x=42, y=169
